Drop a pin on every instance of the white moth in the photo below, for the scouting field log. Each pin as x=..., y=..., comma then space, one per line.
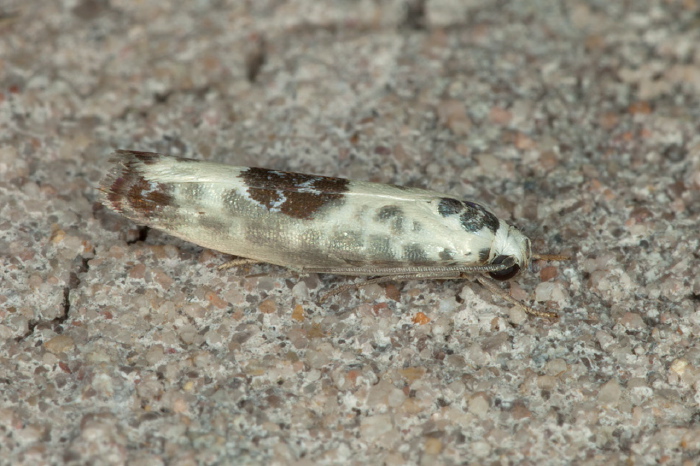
x=317, y=224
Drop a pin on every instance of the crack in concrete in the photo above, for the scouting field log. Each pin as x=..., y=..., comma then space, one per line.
x=81, y=267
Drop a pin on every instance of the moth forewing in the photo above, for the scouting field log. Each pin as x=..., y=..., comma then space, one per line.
x=313, y=223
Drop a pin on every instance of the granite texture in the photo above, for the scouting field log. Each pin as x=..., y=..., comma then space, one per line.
x=579, y=121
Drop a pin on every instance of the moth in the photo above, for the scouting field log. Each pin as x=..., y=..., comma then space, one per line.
x=319, y=224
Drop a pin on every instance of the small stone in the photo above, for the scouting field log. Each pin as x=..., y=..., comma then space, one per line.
x=555, y=367
x=479, y=406
x=420, y=319
x=610, y=393
x=546, y=382
x=433, y=446
x=550, y=291
x=481, y=449
x=411, y=374
x=298, y=313
x=373, y=426
x=633, y=321
x=60, y=344
x=268, y=306
x=453, y=114
x=215, y=299
x=678, y=366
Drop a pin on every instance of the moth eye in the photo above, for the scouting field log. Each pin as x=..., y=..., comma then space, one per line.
x=505, y=274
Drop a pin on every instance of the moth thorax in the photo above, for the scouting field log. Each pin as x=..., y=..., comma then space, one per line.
x=510, y=248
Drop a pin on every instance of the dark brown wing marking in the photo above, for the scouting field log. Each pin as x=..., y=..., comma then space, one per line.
x=295, y=194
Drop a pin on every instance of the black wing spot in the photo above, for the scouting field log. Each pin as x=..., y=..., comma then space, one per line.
x=484, y=254
x=394, y=215
x=481, y=216
x=449, y=206
x=447, y=254
x=415, y=254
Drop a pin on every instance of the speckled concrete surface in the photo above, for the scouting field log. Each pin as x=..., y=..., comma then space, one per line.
x=578, y=121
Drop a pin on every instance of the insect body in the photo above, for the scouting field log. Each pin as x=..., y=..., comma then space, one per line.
x=314, y=223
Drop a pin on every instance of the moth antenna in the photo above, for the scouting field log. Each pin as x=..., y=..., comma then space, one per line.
x=551, y=257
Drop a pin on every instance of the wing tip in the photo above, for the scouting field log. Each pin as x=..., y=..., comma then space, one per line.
x=127, y=190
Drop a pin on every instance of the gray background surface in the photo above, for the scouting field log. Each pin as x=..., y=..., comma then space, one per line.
x=576, y=120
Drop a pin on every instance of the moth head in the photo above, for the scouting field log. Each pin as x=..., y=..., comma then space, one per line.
x=511, y=249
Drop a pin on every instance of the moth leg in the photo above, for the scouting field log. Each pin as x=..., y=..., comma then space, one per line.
x=342, y=288
x=237, y=263
x=384, y=279
x=492, y=287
